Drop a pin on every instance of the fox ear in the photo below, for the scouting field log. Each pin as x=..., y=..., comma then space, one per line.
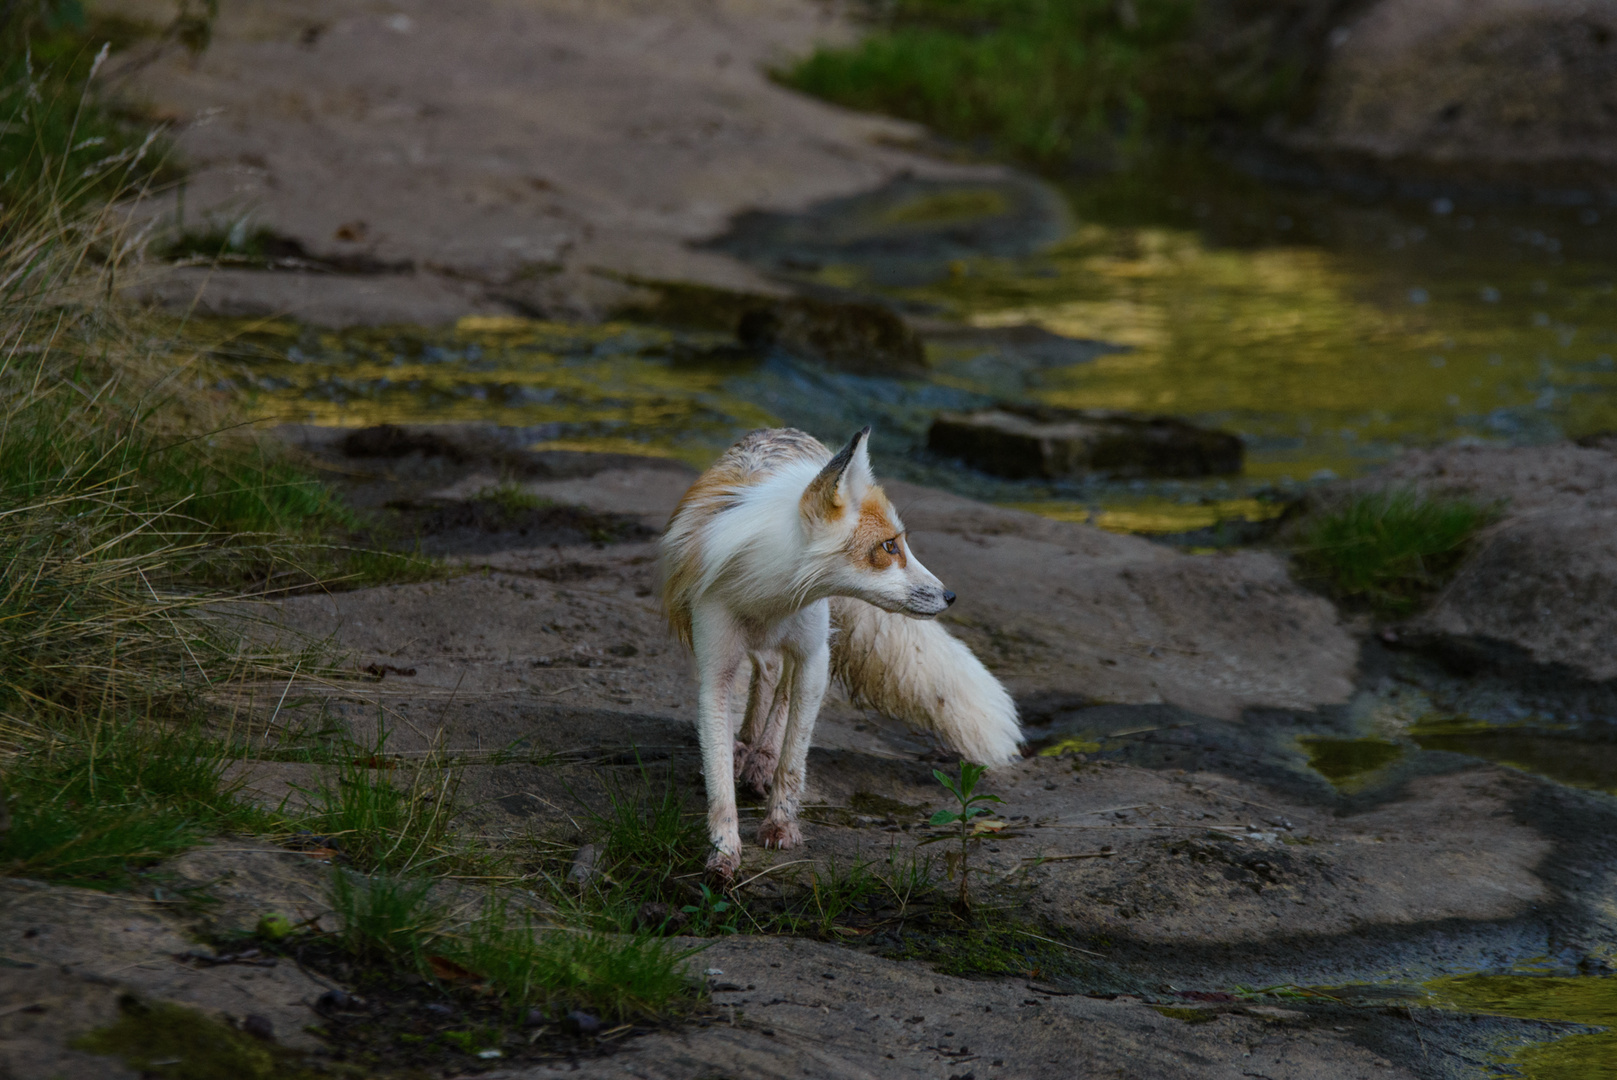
x=843, y=476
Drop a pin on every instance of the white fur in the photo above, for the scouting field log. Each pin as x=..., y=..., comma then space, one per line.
x=771, y=557
x=916, y=672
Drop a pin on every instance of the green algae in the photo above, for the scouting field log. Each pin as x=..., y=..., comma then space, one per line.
x=1073, y=745
x=1590, y=1001
x=947, y=207
x=1349, y=763
x=1188, y=1015
x=165, y=1041
x=1557, y=754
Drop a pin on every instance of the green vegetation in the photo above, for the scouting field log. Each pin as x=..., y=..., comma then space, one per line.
x=131, y=509
x=1388, y=550
x=611, y=976
x=525, y=963
x=1588, y=1000
x=1037, y=79
x=58, y=148
x=377, y=824
x=91, y=806
x=962, y=786
x=1346, y=762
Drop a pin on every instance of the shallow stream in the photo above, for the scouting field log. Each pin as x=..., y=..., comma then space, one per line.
x=1328, y=332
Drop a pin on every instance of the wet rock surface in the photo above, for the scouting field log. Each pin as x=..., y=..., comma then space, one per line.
x=805, y=1009
x=861, y=338
x=905, y=232
x=1039, y=441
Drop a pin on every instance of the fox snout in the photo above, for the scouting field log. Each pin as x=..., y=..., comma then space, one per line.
x=926, y=601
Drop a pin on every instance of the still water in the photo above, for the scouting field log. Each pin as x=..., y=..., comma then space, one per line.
x=1328, y=333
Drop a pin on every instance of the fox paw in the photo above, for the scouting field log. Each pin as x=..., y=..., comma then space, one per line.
x=779, y=833
x=757, y=771
x=722, y=866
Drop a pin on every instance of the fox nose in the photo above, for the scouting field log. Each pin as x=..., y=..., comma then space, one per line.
x=948, y=597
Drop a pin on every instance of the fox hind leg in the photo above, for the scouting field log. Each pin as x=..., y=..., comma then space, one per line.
x=764, y=727
x=808, y=671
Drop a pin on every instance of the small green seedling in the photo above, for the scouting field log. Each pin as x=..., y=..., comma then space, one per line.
x=963, y=787
x=709, y=913
x=274, y=927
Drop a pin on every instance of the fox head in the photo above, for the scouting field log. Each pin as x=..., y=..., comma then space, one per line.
x=859, y=542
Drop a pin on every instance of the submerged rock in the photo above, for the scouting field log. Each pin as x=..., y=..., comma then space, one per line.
x=1034, y=441
x=906, y=232
x=863, y=338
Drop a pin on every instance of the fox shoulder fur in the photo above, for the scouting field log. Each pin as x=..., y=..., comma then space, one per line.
x=782, y=564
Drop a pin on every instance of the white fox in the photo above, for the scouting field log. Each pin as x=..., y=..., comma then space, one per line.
x=772, y=546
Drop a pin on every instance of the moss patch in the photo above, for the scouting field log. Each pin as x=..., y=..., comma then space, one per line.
x=165, y=1041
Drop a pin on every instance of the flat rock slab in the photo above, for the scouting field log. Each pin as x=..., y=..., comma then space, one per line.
x=1025, y=442
x=1541, y=584
x=907, y=232
x=798, y=1008
x=501, y=150
x=74, y=952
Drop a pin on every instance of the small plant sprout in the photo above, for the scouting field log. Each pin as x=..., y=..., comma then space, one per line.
x=964, y=788
x=709, y=914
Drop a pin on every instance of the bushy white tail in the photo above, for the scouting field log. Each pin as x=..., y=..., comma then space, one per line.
x=915, y=672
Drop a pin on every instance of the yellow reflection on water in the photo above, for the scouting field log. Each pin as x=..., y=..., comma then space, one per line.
x=1147, y=514
x=1590, y=1000
x=1323, y=354
x=607, y=387
x=1325, y=361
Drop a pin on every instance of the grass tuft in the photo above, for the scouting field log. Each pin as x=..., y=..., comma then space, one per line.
x=386, y=918
x=1388, y=551
x=93, y=807
x=612, y=976
x=526, y=964
x=378, y=824
x=1036, y=78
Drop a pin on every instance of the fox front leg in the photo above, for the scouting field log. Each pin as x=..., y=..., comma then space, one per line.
x=718, y=656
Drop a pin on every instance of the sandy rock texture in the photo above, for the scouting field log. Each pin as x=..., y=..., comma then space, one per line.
x=806, y=1009
x=492, y=155
x=1496, y=86
x=1541, y=584
x=71, y=954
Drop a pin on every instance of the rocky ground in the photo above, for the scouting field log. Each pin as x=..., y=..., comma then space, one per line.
x=1175, y=836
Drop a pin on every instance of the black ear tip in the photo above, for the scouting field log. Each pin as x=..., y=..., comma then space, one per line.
x=863, y=433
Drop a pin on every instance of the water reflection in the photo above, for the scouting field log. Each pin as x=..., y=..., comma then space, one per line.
x=1328, y=336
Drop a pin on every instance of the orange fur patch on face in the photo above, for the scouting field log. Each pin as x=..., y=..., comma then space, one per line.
x=874, y=528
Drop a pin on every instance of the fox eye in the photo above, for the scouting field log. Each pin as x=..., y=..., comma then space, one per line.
x=890, y=546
